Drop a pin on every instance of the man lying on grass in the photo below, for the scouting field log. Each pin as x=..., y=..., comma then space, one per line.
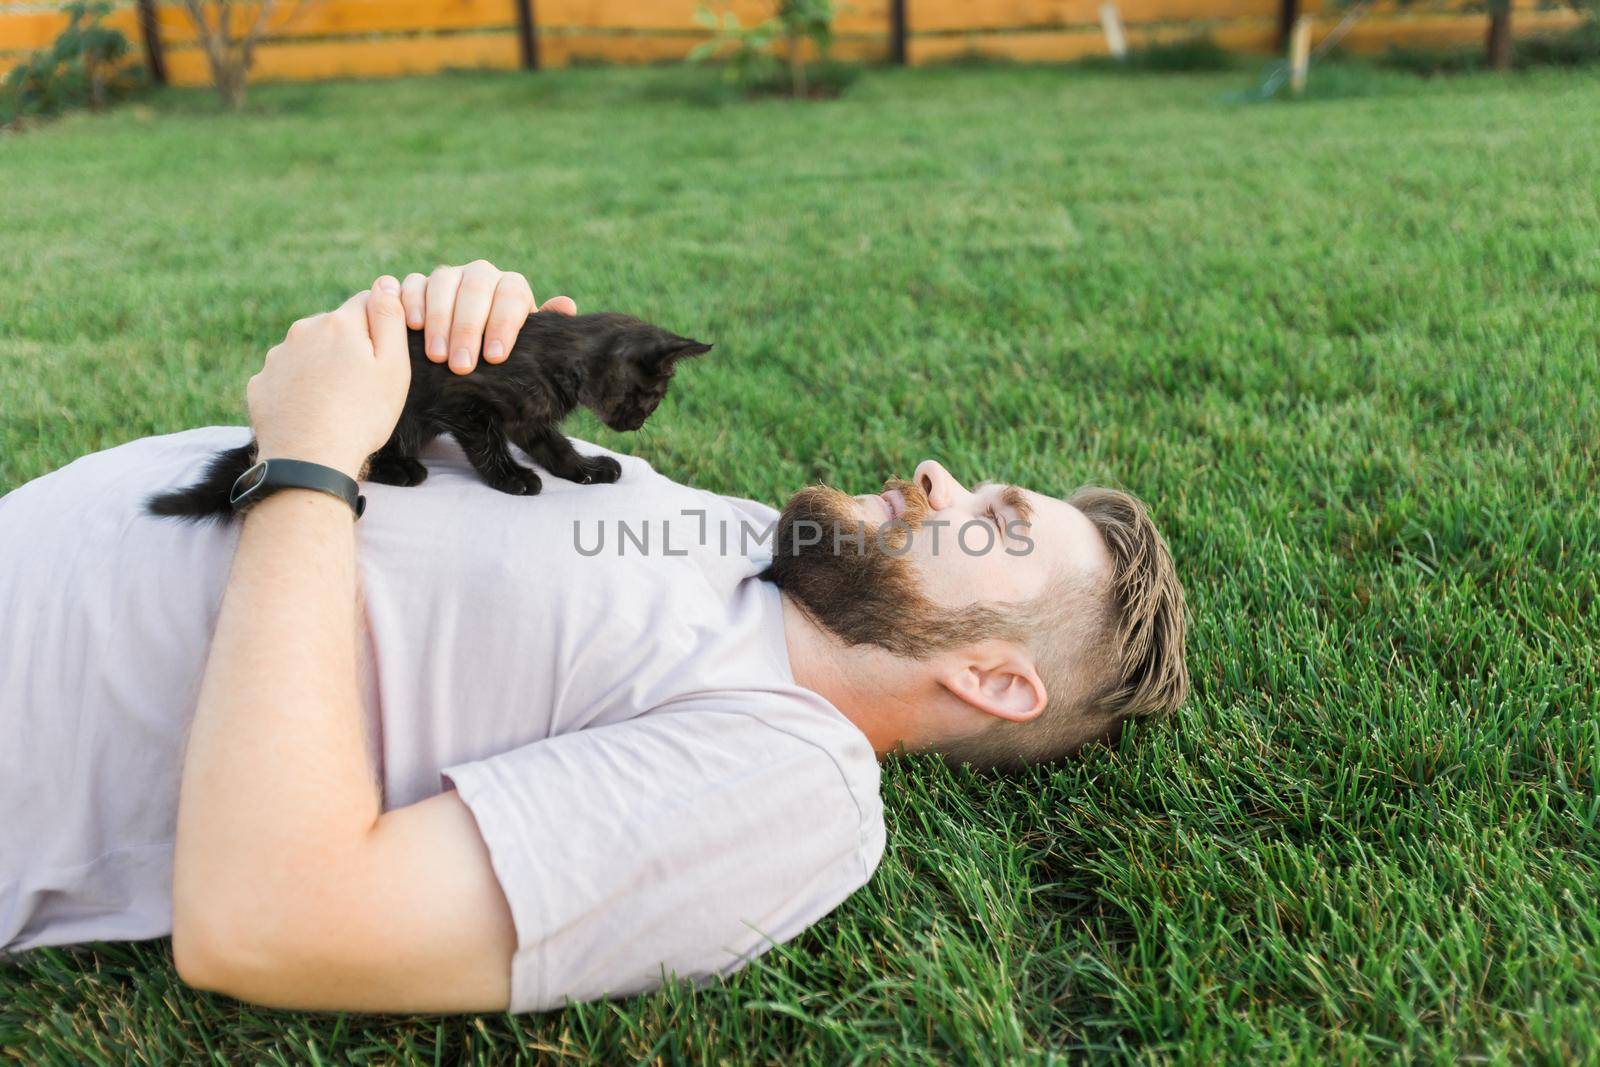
x=454, y=758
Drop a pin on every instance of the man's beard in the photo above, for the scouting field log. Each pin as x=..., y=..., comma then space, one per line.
x=860, y=586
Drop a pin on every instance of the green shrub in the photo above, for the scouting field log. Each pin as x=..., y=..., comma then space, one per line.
x=1190, y=54
x=751, y=54
x=1579, y=46
x=81, y=68
x=1431, y=62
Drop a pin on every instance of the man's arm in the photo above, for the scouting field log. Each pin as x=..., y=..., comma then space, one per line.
x=291, y=887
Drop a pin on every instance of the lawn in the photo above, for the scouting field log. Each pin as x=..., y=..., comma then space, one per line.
x=1345, y=347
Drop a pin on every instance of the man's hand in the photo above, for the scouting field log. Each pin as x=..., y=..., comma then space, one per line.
x=332, y=392
x=460, y=309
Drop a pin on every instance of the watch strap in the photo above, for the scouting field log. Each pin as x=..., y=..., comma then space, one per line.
x=270, y=475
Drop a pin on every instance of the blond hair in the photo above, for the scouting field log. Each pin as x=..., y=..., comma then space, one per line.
x=1107, y=651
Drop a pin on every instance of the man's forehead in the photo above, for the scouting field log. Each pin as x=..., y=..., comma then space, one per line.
x=1062, y=530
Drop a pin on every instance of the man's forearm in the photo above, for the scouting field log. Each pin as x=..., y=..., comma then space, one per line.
x=291, y=886
x=276, y=783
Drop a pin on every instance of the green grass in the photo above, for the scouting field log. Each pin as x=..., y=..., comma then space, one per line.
x=1346, y=348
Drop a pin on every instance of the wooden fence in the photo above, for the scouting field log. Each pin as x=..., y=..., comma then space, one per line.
x=370, y=38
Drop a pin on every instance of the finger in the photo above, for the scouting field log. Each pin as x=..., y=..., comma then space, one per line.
x=513, y=300
x=471, y=314
x=386, y=320
x=356, y=303
x=414, y=297
x=563, y=305
x=441, y=302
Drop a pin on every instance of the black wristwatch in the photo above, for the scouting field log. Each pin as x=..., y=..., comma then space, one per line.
x=270, y=475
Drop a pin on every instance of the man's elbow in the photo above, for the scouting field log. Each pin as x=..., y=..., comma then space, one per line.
x=217, y=949
x=203, y=950
x=195, y=956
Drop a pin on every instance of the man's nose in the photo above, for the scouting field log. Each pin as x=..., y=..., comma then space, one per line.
x=940, y=485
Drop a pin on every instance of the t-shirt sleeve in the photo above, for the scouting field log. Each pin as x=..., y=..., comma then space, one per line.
x=677, y=844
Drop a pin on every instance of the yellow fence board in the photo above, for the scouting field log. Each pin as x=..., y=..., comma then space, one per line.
x=1443, y=31
x=638, y=14
x=1372, y=35
x=30, y=30
x=1048, y=46
x=334, y=18
x=858, y=16
x=1055, y=46
x=311, y=60
x=1332, y=11
x=563, y=48
x=1136, y=11
x=940, y=16
x=25, y=31
x=924, y=15
x=1258, y=38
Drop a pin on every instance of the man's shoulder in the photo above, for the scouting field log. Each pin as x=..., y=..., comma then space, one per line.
x=803, y=746
x=686, y=840
x=779, y=717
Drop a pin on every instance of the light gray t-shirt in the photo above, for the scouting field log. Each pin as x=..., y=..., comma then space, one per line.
x=597, y=671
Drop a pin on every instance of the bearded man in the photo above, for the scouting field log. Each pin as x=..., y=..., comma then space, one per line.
x=458, y=758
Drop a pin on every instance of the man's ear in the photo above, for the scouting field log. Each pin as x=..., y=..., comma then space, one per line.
x=997, y=678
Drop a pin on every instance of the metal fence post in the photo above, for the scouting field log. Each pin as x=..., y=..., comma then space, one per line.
x=1288, y=12
x=897, y=32
x=528, y=35
x=150, y=32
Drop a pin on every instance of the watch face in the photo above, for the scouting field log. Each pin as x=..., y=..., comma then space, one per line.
x=247, y=482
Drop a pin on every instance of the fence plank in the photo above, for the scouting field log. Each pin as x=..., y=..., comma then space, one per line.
x=333, y=18
x=858, y=16
x=310, y=60
x=1021, y=15
x=26, y=31
x=559, y=48
x=1441, y=31
x=1048, y=46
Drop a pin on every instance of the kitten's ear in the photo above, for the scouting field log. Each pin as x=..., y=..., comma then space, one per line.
x=667, y=355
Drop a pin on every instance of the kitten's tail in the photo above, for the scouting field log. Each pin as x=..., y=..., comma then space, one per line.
x=207, y=499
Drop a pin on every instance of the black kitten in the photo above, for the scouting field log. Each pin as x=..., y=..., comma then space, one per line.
x=615, y=365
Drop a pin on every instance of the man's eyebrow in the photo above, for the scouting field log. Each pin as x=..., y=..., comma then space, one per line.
x=1013, y=497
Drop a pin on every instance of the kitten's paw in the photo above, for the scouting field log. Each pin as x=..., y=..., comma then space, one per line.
x=415, y=473
x=403, y=471
x=520, y=482
x=599, y=470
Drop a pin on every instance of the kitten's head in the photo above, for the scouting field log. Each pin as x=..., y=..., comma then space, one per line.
x=632, y=370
